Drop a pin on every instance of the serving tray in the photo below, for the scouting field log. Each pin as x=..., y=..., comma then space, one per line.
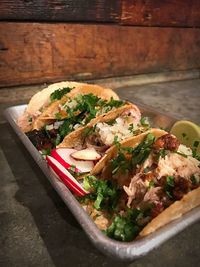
x=119, y=250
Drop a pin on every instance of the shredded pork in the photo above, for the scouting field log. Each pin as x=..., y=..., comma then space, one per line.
x=179, y=166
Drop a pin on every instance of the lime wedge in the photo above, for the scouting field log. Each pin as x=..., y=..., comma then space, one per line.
x=188, y=133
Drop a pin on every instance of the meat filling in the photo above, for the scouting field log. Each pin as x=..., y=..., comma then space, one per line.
x=42, y=139
x=163, y=179
x=102, y=135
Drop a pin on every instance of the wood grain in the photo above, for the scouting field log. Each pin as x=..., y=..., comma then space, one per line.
x=40, y=52
x=60, y=10
x=173, y=13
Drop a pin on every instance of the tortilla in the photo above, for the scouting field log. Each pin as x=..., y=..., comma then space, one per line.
x=173, y=212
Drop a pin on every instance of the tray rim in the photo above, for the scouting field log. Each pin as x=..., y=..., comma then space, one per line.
x=117, y=249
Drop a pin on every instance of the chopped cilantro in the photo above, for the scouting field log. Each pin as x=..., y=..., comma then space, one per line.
x=131, y=128
x=58, y=116
x=87, y=182
x=102, y=102
x=125, y=228
x=151, y=184
x=89, y=130
x=87, y=103
x=170, y=181
x=169, y=186
x=169, y=194
x=116, y=141
x=194, y=150
x=120, y=163
x=58, y=140
x=30, y=119
x=181, y=154
x=114, y=103
x=111, y=122
x=46, y=152
x=146, y=170
x=104, y=192
x=194, y=154
x=196, y=144
x=145, y=122
x=162, y=153
x=47, y=132
x=142, y=151
x=86, y=108
x=194, y=180
x=136, y=155
x=65, y=128
x=58, y=94
x=73, y=171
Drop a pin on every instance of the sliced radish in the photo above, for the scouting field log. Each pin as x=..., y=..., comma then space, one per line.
x=66, y=177
x=86, y=154
x=63, y=155
x=71, y=187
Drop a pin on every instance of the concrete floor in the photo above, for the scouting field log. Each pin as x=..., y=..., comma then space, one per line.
x=37, y=229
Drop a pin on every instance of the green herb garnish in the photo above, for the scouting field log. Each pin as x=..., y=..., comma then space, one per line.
x=194, y=150
x=162, y=153
x=181, y=154
x=65, y=128
x=116, y=141
x=46, y=152
x=194, y=180
x=145, y=122
x=58, y=94
x=135, y=155
x=170, y=181
x=151, y=184
x=72, y=170
x=196, y=144
x=114, y=103
x=89, y=130
x=146, y=170
x=122, y=229
x=58, y=140
x=125, y=228
x=30, y=119
x=169, y=186
x=104, y=193
x=86, y=108
x=111, y=122
x=58, y=116
x=131, y=128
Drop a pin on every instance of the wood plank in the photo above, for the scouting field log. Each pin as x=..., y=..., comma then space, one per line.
x=39, y=52
x=179, y=13
x=60, y=10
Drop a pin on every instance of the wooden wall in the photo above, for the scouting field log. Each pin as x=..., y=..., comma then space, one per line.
x=45, y=41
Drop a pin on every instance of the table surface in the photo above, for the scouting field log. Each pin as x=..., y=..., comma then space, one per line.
x=37, y=229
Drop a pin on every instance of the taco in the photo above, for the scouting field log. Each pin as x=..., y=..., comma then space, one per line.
x=142, y=184
x=72, y=114
x=44, y=105
x=101, y=133
x=40, y=101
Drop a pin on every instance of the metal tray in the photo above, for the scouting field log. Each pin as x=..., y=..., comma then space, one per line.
x=118, y=250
